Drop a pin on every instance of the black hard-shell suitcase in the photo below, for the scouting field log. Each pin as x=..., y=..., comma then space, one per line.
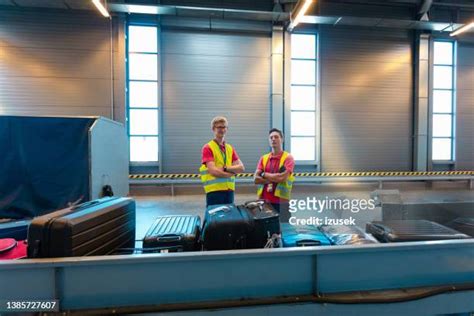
x=265, y=221
x=14, y=228
x=464, y=225
x=225, y=227
x=411, y=230
x=98, y=227
x=173, y=233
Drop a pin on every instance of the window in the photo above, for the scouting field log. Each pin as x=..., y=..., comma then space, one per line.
x=303, y=97
x=142, y=92
x=443, y=101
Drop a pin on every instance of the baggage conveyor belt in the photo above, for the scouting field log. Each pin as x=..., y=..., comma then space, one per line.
x=434, y=277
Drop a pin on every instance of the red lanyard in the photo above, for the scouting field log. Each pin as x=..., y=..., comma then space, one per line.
x=273, y=167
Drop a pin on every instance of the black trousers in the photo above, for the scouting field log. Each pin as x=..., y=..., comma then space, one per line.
x=219, y=197
x=284, y=210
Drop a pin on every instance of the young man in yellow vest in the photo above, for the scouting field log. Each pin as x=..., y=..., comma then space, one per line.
x=274, y=175
x=219, y=165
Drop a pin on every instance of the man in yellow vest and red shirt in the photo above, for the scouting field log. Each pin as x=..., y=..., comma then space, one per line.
x=274, y=175
x=219, y=165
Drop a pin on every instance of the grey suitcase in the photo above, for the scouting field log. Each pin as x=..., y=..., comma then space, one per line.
x=464, y=225
x=411, y=230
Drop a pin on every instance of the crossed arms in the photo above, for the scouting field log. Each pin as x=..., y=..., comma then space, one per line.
x=270, y=177
x=218, y=172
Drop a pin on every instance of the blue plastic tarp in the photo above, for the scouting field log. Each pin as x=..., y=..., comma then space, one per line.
x=44, y=164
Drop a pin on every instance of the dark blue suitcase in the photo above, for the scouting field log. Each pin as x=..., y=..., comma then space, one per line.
x=13, y=228
x=302, y=236
x=225, y=227
x=173, y=233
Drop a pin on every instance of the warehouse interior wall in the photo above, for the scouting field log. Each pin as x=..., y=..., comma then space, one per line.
x=56, y=62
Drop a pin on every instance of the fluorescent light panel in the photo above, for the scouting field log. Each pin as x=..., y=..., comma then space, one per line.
x=144, y=9
x=101, y=8
x=300, y=13
x=462, y=29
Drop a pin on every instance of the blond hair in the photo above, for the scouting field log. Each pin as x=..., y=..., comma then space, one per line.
x=218, y=119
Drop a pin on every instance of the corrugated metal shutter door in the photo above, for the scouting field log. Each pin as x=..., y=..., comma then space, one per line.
x=366, y=99
x=206, y=74
x=55, y=63
x=465, y=106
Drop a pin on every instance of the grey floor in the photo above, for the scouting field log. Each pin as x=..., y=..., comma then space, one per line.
x=151, y=206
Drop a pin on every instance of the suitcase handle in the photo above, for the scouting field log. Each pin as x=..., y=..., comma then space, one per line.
x=168, y=238
x=379, y=229
x=84, y=205
x=255, y=204
x=258, y=204
x=307, y=243
x=219, y=209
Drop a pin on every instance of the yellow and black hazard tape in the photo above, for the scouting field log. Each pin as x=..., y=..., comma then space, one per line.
x=314, y=174
x=384, y=174
x=163, y=176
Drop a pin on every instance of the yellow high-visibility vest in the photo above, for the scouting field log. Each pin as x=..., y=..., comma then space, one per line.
x=282, y=190
x=211, y=183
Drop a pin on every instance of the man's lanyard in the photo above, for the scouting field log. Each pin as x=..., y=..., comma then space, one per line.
x=224, y=155
x=270, y=187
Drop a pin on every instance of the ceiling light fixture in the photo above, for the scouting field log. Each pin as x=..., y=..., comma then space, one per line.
x=462, y=29
x=300, y=10
x=144, y=9
x=101, y=8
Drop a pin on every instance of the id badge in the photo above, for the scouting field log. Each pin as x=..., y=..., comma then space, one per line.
x=270, y=187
